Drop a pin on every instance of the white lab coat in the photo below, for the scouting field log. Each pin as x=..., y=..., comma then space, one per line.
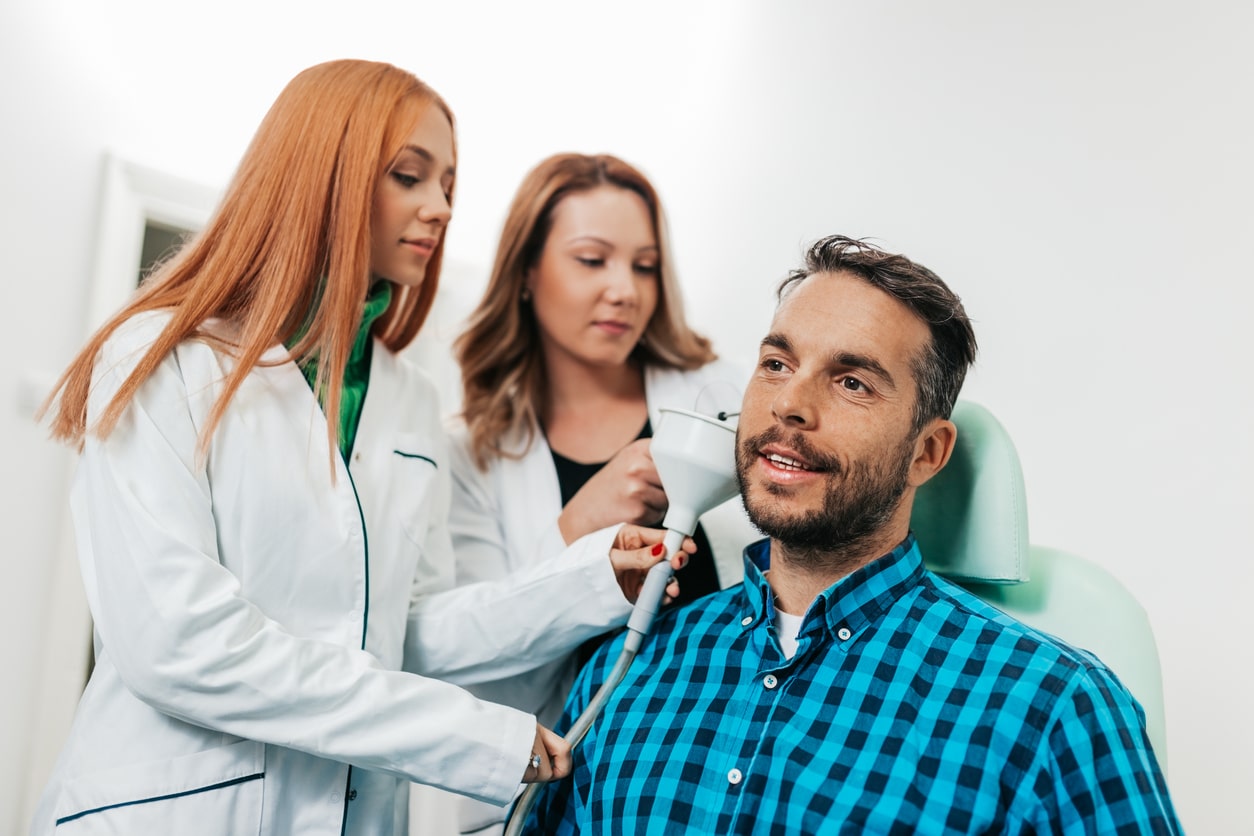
x=253, y=617
x=504, y=521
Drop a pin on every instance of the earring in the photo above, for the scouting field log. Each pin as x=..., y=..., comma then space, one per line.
x=526, y=295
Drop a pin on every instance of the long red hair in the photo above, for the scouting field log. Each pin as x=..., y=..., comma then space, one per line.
x=288, y=246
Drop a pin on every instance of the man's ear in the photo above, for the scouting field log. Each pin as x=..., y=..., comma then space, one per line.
x=932, y=450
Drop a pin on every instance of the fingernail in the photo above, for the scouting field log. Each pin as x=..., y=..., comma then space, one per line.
x=658, y=549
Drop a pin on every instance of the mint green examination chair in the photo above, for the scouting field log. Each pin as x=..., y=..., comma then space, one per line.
x=972, y=523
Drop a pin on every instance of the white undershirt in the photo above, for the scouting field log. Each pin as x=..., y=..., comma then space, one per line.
x=786, y=627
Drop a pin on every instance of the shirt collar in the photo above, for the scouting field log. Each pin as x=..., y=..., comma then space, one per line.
x=376, y=304
x=847, y=606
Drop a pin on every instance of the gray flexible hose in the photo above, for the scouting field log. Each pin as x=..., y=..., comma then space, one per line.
x=519, y=816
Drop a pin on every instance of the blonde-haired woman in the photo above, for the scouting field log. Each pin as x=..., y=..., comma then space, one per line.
x=579, y=340
x=261, y=577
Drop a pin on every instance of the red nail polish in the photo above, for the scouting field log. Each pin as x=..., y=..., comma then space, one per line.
x=658, y=549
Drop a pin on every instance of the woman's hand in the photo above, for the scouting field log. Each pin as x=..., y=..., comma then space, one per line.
x=628, y=489
x=550, y=757
x=636, y=550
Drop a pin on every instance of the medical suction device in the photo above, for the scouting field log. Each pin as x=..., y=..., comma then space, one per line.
x=695, y=456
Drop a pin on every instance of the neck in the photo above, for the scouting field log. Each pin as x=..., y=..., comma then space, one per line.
x=799, y=575
x=575, y=386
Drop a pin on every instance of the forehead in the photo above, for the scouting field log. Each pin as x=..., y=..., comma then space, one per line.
x=609, y=212
x=433, y=135
x=834, y=313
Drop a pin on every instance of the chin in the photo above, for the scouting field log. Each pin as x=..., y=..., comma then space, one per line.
x=413, y=282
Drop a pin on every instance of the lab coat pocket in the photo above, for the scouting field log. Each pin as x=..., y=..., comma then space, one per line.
x=415, y=469
x=215, y=791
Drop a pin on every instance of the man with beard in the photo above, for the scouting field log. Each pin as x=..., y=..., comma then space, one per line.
x=843, y=688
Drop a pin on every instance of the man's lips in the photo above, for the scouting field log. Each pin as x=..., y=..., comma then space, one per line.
x=786, y=459
x=785, y=462
x=782, y=465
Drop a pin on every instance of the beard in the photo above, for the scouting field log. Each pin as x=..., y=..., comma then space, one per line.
x=858, y=501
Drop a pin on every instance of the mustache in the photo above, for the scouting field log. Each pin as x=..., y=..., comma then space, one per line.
x=796, y=441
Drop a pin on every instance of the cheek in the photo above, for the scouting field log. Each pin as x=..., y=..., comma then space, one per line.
x=649, y=300
x=559, y=296
x=755, y=408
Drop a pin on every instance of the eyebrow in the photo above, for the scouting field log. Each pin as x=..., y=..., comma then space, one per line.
x=426, y=155
x=598, y=240
x=840, y=359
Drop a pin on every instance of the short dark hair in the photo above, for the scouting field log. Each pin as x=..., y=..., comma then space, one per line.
x=941, y=369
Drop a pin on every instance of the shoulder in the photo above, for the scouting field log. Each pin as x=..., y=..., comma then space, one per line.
x=519, y=448
x=132, y=338
x=719, y=370
x=995, y=645
x=135, y=337
x=461, y=456
x=721, y=382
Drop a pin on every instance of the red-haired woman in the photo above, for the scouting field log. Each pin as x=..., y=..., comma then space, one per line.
x=579, y=340
x=261, y=507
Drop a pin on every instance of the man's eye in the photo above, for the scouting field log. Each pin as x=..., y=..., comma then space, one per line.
x=853, y=384
x=772, y=365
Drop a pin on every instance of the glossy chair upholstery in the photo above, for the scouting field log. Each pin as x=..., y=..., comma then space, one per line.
x=972, y=524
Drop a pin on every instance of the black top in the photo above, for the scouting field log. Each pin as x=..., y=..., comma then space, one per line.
x=697, y=579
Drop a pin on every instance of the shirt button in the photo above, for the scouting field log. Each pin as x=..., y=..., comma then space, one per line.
x=734, y=776
x=352, y=795
x=746, y=621
x=335, y=798
x=770, y=681
x=356, y=457
x=843, y=634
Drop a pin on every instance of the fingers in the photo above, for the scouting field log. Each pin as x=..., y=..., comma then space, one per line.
x=636, y=560
x=631, y=536
x=550, y=757
x=631, y=566
x=558, y=752
x=539, y=768
x=679, y=560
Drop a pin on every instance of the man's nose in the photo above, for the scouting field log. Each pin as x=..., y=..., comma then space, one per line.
x=794, y=402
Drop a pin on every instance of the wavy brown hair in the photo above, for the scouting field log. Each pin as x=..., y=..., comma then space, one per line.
x=502, y=363
x=288, y=246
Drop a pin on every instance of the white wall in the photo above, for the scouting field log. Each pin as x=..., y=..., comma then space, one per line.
x=1080, y=172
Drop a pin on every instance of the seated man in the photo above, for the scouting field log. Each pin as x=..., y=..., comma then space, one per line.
x=843, y=688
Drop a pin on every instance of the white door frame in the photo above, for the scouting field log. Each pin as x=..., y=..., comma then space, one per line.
x=132, y=196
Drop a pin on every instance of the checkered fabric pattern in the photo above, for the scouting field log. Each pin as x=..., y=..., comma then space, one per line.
x=911, y=706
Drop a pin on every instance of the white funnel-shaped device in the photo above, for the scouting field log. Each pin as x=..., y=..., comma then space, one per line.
x=695, y=455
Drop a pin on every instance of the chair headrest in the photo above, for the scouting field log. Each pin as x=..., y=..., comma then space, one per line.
x=971, y=519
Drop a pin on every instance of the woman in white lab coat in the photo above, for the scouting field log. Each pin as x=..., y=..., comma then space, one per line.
x=578, y=342
x=262, y=579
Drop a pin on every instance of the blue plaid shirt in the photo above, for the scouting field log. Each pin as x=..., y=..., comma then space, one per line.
x=911, y=706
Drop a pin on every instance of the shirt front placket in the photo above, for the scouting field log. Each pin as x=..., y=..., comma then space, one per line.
x=761, y=695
